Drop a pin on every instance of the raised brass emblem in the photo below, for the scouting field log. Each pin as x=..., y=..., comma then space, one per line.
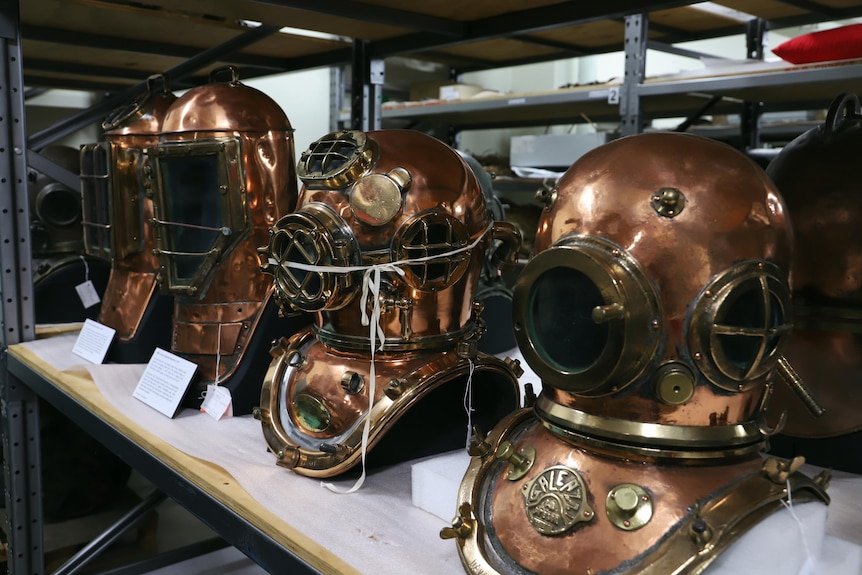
x=555, y=500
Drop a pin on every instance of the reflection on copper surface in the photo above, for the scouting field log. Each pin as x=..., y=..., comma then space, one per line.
x=818, y=176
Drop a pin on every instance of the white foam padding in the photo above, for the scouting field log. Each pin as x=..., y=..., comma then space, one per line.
x=435, y=482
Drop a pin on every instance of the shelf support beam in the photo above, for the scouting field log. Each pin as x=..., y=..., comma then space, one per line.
x=635, y=46
x=19, y=410
x=99, y=111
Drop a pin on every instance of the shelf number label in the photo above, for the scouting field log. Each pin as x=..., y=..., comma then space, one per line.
x=517, y=101
x=614, y=95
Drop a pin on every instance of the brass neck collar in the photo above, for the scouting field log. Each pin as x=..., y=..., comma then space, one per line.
x=649, y=440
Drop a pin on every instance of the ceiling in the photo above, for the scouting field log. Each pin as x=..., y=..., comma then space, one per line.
x=109, y=45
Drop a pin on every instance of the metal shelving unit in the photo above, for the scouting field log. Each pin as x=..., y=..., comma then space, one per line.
x=111, y=46
x=233, y=527
x=634, y=99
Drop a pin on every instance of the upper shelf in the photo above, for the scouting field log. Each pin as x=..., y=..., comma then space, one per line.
x=779, y=85
x=107, y=45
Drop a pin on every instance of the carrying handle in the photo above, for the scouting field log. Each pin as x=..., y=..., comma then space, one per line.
x=216, y=72
x=846, y=103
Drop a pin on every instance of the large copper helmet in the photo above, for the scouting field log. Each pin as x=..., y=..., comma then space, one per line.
x=653, y=310
x=223, y=173
x=818, y=176
x=391, y=224
x=118, y=226
x=493, y=293
x=59, y=263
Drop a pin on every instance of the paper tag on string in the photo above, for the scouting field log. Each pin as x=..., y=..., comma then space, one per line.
x=88, y=294
x=217, y=402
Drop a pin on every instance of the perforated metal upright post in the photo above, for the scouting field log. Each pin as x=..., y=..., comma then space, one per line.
x=18, y=408
x=366, y=89
x=635, y=46
x=755, y=31
x=336, y=97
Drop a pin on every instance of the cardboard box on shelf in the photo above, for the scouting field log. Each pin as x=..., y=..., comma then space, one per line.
x=459, y=91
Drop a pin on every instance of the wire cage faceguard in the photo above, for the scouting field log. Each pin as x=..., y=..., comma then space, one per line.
x=201, y=209
x=112, y=195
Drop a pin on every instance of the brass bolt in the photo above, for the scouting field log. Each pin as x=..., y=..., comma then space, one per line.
x=462, y=524
x=606, y=313
x=395, y=388
x=520, y=462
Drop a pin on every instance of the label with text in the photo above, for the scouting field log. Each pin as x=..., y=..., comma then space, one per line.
x=93, y=341
x=165, y=381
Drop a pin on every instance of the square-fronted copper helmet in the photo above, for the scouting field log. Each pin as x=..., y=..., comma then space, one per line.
x=654, y=310
x=386, y=248
x=58, y=260
x=118, y=226
x=222, y=173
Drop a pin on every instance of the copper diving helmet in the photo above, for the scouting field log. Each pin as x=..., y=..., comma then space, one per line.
x=386, y=248
x=222, y=174
x=818, y=177
x=59, y=264
x=118, y=225
x=654, y=310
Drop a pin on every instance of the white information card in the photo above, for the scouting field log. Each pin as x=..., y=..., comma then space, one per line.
x=93, y=341
x=164, y=382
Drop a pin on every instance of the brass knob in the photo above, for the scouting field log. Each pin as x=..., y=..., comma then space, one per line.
x=668, y=202
x=629, y=506
x=352, y=382
x=547, y=196
x=520, y=462
x=610, y=312
x=478, y=447
x=675, y=383
x=261, y=414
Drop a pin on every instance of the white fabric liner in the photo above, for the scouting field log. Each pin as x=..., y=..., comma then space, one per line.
x=377, y=530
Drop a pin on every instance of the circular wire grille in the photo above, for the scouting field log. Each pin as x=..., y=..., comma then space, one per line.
x=739, y=325
x=314, y=237
x=426, y=236
x=336, y=160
